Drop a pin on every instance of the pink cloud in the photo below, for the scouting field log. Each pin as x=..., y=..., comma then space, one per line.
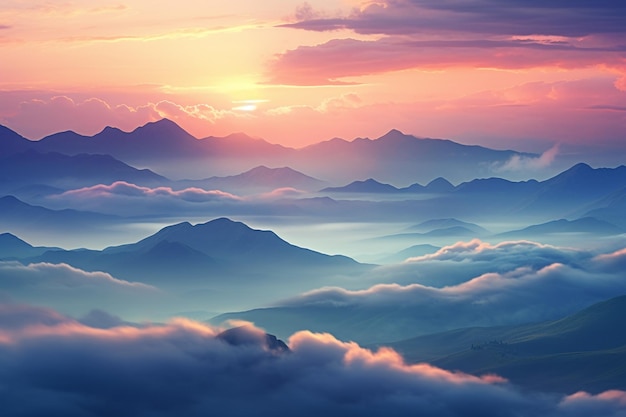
x=548, y=112
x=122, y=188
x=61, y=113
x=335, y=60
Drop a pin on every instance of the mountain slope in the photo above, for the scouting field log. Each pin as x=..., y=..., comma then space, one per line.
x=163, y=137
x=433, y=224
x=220, y=252
x=63, y=171
x=588, y=225
x=12, y=247
x=579, y=185
x=11, y=142
x=583, y=351
x=396, y=157
x=259, y=179
x=15, y=213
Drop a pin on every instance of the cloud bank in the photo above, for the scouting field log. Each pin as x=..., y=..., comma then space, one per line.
x=58, y=366
x=462, y=285
x=475, y=34
x=74, y=291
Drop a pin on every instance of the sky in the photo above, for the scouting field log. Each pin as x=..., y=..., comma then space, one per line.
x=522, y=74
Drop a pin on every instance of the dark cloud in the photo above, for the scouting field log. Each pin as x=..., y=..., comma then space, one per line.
x=185, y=368
x=493, y=17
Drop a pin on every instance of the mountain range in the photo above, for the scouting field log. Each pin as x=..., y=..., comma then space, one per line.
x=257, y=179
x=31, y=168
x=211, y=257
x=163, y=146
x=16, y=214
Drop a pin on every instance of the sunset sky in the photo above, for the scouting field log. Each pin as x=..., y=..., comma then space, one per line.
x=526, y=74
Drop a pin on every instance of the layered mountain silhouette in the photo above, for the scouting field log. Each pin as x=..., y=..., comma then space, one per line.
x=586, y=225
x=12, y=247
x=410, y=252
x=258, y=179
x=394, y=157
x=371, y=186
x=16, y=214
x=583, y=351
x=219, y=253
x=610, y=208
x=29, y=168
x=439, y=224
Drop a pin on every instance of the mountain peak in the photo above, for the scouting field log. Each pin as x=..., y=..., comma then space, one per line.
x=369, y=185
x=9, y=238
x=248, y=335
x=110, y=130
x=440, y=184
x=393, y=134
x=581, y=167
x=163, y=127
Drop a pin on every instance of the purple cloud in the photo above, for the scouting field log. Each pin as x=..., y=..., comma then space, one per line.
x=441, y=34
x=493, y=17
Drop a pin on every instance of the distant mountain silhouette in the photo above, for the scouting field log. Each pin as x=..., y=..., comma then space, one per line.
x=216, y=254
x=439, y=185
x=53, y=169
x=371, y=186
x=11, y=142
x=576, y=186
x=164, y=138
x=410, y=252
x=434, y=224
x=12, y=247
x=610, y=208
x=259, y=179
x=583, y=351
x=394, y=157
x=160, y=143
x=561, y=196
x=18, y=215
x=459, y=232
x=588, y=225
x=368, y=186
x=438, y=228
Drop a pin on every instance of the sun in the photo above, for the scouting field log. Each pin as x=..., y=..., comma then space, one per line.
x=247, y=105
